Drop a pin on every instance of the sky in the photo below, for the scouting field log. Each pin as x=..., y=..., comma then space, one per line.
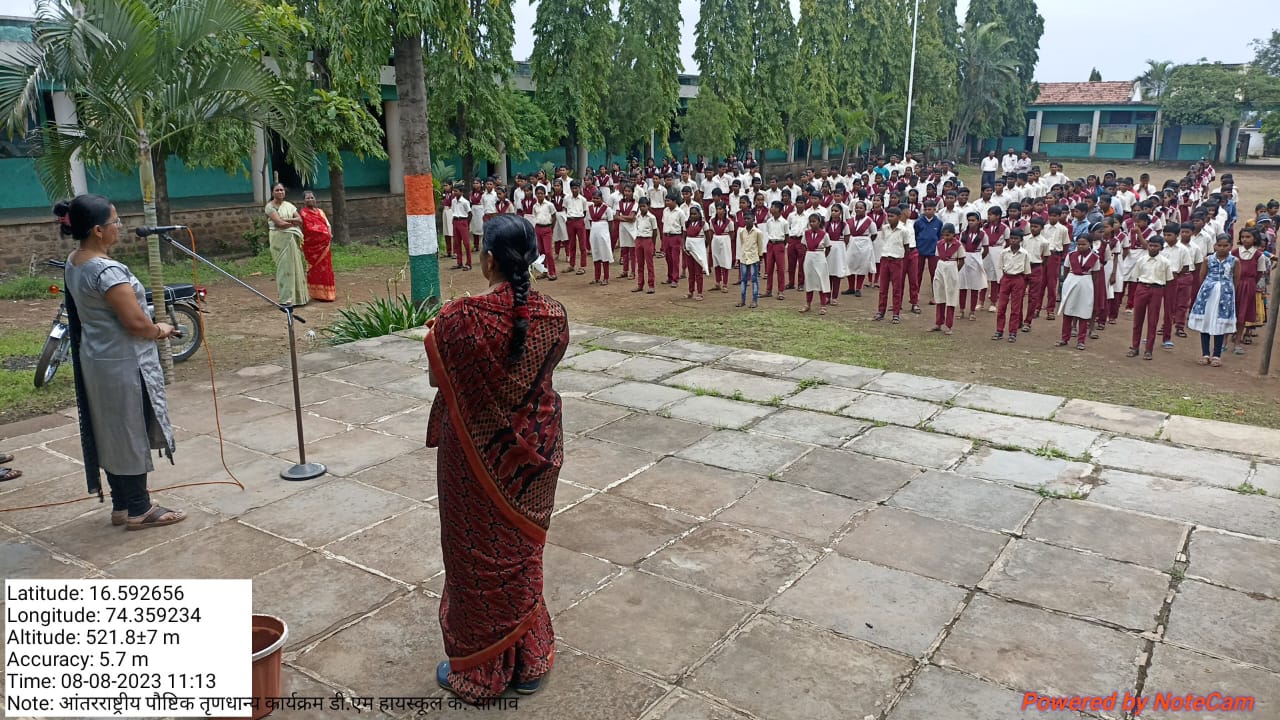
x=1098, y=29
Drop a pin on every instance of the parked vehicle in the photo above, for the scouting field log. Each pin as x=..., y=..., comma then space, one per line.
x=182, y=304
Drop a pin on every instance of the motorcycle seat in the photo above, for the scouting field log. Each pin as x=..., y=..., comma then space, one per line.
x=181, y=291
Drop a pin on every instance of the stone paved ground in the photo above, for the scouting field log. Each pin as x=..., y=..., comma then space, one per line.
x=738, y=535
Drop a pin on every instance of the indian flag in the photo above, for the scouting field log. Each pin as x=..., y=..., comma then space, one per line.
x=424, y=260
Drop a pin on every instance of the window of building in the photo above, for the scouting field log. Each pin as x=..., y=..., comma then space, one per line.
x=1073, y=133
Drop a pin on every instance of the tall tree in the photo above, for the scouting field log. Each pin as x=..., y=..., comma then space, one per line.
x=1024, y=25
x=985, y=67
x=935, y=88
x=773, y=50
x=814, y=117
x=644, y=85
x=1152, y=84
x=573, y=45
x=139, y=76
x=1204, y=94
x=372, y=31
x=724, y=79
x=880, y=43
x=1267, y=54
x=1095, y=76
x=474, y=100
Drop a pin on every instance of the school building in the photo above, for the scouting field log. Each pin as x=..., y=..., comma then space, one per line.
x=1110, y=120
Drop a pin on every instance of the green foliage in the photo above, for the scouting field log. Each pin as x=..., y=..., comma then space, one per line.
x=714, y=119
x=1202, y=94
x=572, y=52
x=773, y=33
x=531, y=130
x=335, y=122
x=935, y=93
x=985, y=68
x=26, y=287
x=815, y=99
x=709, y=125
x=645, y=82
x=256, y=238
x=19, y=397
x=1155, y=79
x=1266, y=56
x=1024, y=26
x=1095, y=76
x=381, y=316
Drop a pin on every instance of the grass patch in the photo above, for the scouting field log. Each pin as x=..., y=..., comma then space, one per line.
x=381, y=316
x=1247, y=488
x=1053, y=453
x=807, y=383
x=1054, y=494
x=27, y=287
x=19, y=397
x=1177, y=573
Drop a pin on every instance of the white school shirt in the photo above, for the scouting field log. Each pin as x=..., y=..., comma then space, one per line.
x=575, y=207
x=894, y=241
x=1151, y=270
x=990, y=164
x=1036, y=247
x=1177, y=256
x=646, y=224
x=707, y=186
x=544, y=213
x=772, y=196
x=1204, y=241
x=1015, y=263
x=1055, y=179
x=673, y=220
x=657, y=196
x=952, y=216
x=1009, y=163
x=489, y=203
x=1001, y=199
x=1193, y=249
x=776, y=230
x=797, y=223
x=1055, y=235
x=460, y=207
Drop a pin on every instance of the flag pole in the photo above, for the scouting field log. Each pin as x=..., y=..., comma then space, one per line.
x=911, y=80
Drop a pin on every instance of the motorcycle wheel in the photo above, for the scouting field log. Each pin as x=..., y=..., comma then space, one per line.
x=51, y=356
x=188, y=321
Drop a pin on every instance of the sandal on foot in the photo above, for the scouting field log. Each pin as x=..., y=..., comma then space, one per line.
x=119, y=517
x=1180, y=333
x=5, y=458
x=1079, y=346
x=1133, y=352
x=753, y=305
x=1203, y=361
x=1215, y=362
x=822, y=311
x=1238, y=351
x=1146, y=355
x=157, y=516
x=7, y=474
x=1060, y=343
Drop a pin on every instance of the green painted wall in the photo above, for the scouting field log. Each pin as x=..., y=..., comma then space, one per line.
x=1115, y=151
x=1067, y=117
x=22, y=186
x=184, y=182
x=357, y=173
x=1065, y=150
x=1195, y=152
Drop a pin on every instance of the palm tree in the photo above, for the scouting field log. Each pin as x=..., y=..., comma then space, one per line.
x=885, y=115
x=1152, y=85
x=987, y=68
x=140, y=75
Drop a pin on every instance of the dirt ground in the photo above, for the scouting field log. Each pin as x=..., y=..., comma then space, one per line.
x=244, y=331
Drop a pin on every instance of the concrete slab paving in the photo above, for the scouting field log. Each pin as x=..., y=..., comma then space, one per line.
x=1180, y=672
x=1026, y=647
x=758, y=454
x=810, y=427
x=1112, y=418
x=922, y=545
x=718, y=412
x=1006, y=430
x=733, y=384
x=1027, y=470
x=1009, y=402
x=962, y=499
x=594, y=360
x=1213, y=468
x=916, y=386
x=1140, y=539
x=851, y=475
x=732, y=561
x=1215, y=507
x=800, y=672
x=1218, y=435
x=657, y=626
x=1116, y=592
x=660, y=578
x=890, y=608
x=912, y=446
x=848, y=376
x=1207, y=618
x=1242, y=563
x=891, y=409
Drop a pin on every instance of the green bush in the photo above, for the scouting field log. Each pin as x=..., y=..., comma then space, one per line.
x=256, y=237
x=27, y=287
x=382, y=316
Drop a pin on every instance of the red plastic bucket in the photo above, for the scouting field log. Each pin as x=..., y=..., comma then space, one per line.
x=270, y=634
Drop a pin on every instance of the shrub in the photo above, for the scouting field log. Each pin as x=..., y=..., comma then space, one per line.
x=27, y=287
x=382, y=316
x=256, y=236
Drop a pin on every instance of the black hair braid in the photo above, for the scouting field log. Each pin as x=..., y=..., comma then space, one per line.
x=514, y=246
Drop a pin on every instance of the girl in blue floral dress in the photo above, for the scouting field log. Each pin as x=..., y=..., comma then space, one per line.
x=1213, y=314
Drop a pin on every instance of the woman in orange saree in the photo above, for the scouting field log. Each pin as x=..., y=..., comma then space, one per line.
x=496, y=421
x=316, y=234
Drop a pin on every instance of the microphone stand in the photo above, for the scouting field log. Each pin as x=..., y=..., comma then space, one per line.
x=303, y=470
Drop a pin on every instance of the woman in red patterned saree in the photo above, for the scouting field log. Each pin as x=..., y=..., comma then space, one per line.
x=316, y=234
x=496, y=421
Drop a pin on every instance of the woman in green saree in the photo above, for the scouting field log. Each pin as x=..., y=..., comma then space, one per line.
x=285, y=235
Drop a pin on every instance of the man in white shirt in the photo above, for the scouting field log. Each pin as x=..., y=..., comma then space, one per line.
x=575, y=211
x=895, y=241
x=989, y=165
x=646, y=230
x=773, y=193
x=1024, y=163
x=673, y=220
x=949, y=213
x=544, y=219
x=1056, y=176
x=776, y=229
x=1009, y=163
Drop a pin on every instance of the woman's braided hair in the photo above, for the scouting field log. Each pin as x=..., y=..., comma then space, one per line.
x=514, y=246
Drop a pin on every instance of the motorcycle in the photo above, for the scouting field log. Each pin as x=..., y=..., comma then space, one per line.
x=182, y=302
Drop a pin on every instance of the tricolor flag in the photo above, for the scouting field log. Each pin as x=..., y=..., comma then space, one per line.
x=424, y=261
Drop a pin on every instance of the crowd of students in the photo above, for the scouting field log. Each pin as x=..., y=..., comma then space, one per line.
x=1028, y=244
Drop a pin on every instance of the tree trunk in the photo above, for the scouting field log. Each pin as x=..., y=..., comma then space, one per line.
x=411, y=88
x=791, y=148
x=338, y=196
x=163, y=214
x=584, y=161
x=147, y=181
x=826, y=151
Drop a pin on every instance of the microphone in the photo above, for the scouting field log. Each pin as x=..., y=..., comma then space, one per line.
x=145, y=231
